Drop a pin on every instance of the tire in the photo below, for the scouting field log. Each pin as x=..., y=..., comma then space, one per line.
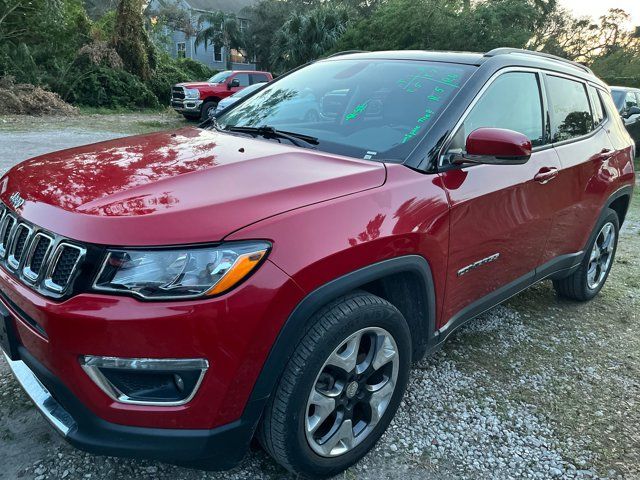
x=580, y=285
x=285, y=430
x=206, y=107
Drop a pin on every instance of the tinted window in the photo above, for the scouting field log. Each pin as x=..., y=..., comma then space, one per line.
x=374, y=109
x=258, y=78
x=513, y=102
x=569, y=106
x=243, y=78
x=596, y=103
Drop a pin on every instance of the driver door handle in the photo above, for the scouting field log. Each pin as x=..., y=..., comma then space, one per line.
x=546, y=174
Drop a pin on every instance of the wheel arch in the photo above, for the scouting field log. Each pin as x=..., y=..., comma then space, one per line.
x=211, y=98
x=619, y=202
x=387, y=279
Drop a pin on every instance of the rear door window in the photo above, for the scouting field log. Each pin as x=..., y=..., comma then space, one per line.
x=258, y=78
x=513, y=102
x=569, y=107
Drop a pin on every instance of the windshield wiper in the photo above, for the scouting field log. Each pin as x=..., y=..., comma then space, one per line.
x=298, y=139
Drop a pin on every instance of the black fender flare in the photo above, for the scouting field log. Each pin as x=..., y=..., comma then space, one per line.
x=296, y=325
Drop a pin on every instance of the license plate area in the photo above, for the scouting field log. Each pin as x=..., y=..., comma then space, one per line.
x=8, y=340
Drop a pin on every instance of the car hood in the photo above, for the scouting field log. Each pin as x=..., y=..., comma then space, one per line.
x=188, y=186
x=197, y=85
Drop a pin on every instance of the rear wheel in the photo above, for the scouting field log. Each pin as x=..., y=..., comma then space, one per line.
x=341, y=387
x=588, y=280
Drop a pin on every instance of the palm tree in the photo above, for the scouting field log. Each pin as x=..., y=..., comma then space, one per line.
x=307, y=36
x=222, y=29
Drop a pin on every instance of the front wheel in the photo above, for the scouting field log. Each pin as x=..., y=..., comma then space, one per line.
x=208, y=108
x=341, y=387
x=588, y=280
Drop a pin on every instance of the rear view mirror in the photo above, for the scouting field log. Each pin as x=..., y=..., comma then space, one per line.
x=233, y=83
x=495, y=146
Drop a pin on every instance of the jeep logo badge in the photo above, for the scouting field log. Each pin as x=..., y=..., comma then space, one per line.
x=16, y=200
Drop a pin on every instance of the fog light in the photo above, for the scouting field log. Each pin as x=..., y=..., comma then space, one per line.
x=146, y=381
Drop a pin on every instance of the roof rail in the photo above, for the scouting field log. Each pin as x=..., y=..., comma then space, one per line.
x=346, y=52
x=507, y=50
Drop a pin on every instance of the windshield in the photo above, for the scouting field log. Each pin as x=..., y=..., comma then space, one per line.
x=374, y=109
x=220, y=77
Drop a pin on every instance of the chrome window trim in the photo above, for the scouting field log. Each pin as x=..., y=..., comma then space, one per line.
x=540, y=72
x=92, y=364
x=48, y=281
x=11, y=258
x=476, y=99
x=29, y=274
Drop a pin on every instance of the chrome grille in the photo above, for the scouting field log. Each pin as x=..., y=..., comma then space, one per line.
x=18, y=241
x=6, y=230
x=65, y=261
x=36, y=256
x=45, y=261
x=177, y=93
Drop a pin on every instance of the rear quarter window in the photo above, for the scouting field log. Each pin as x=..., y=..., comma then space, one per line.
x=569, y=107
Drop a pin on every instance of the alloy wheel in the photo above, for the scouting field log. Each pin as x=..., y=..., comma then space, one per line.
x=601, y=255
x=351, y=392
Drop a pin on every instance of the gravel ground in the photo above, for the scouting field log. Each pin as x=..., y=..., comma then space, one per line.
x=538, y=387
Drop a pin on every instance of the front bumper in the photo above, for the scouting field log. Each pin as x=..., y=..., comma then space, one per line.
x=233, y=333
x=221, y=447
x=186, y=106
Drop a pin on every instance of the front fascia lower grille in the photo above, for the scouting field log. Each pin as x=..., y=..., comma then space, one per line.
x=52, y=265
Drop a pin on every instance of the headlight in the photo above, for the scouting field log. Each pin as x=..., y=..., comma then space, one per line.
x=180, y=272
x=191, y=93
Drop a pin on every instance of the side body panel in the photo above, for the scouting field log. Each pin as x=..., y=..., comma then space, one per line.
x=496, y=210
x=406, y=216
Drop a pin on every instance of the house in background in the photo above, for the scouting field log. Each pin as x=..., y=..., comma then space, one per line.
x=214, y=55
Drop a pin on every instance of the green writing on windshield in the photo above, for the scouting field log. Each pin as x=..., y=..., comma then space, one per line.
x=357, y=111
x=414, y=131
x=413, y=83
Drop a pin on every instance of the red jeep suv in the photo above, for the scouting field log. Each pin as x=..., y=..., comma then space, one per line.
x=199, y=100
x=171, y=296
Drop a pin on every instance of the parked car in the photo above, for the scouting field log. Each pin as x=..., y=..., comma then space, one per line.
x=236, y=97
x=171, y=295
x=627, y=101
x=197, y=100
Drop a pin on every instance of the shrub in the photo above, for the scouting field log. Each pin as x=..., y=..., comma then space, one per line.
x=195, y=70
x=111, y=88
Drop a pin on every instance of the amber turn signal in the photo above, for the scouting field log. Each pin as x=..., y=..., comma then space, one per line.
x=242, y=267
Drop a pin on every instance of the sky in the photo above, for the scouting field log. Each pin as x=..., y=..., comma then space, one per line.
x=595, y=8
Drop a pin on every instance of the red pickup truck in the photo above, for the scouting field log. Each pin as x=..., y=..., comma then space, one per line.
x=198, y=99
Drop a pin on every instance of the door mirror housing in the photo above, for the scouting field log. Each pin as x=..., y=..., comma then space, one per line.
x=233, y=84
x=495, y=146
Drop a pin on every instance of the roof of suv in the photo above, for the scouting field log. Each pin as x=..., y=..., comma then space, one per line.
x=501, y=57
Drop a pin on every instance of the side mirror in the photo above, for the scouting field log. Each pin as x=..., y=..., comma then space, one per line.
x=633, y=111
x=495, y=146
x=233, y=84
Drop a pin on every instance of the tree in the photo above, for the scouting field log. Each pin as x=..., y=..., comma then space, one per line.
x=221, y=29
x=131, y=40
x=307, y=36
x=265, y=18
